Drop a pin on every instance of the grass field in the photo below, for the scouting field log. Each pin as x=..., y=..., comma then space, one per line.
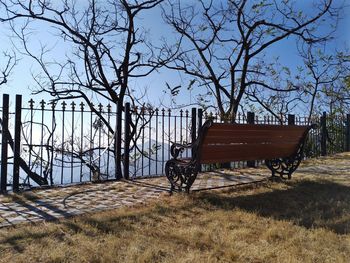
x=306, y=219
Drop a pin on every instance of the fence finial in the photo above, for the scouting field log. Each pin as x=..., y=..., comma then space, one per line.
x=53, y=104
x=73, y=105
x=31, y=103
x=64, y=104
x=42, y=104
x=82, y=106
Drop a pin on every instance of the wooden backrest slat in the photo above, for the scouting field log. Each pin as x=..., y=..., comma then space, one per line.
x=238, y=142
x=249, y=139
x=254, y=127
x=240, y=152
x=255, y=133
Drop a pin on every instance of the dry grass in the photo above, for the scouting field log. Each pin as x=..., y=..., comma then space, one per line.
x=303, y=220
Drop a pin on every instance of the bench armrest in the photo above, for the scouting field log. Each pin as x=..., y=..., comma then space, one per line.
x=177, y=148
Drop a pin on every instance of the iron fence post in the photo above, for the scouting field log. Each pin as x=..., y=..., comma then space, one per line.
x=127, y=140
x=17, y=143
x=4, y=142
x=291, y=119
x=347, y=137
x=324, y=134
x=118, y=143
x=251, y=120
x=200, y=122
x=193, y=126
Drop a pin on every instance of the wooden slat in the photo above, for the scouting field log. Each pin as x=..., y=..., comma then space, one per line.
x=241, y=152
x=255, y=133
x=250, y=139
x=243, y=142
x=255, y=127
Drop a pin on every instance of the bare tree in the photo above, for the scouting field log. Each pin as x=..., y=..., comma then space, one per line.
x=322, y=82
x=338, y=93
x=7, y=67
x=277, y=91
x=109, y=51
x=221, y=43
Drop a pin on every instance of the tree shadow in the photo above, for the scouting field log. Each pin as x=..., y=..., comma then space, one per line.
x=16, y=241
x=306, y=203
x=310, y=204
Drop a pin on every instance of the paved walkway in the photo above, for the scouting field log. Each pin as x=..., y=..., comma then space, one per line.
x=55, y=203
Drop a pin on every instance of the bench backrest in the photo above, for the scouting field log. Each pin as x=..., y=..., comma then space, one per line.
x=220, y=143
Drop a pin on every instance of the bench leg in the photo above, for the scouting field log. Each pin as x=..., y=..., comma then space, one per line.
x=283, y=166
x=173, y=174
x=180, y=176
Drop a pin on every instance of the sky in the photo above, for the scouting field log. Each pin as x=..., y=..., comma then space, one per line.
x=22, y=82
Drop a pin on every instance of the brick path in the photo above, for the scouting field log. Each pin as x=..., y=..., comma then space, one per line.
x=55, y=203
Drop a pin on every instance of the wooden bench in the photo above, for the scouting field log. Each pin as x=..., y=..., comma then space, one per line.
x=281, y=146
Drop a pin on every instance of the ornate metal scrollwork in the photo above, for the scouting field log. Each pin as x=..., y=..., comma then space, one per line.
x=181, y=175
x=285, y=166
x=173, y=174
x=177, y=148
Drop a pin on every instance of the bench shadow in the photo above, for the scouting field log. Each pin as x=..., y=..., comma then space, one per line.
x=310, y=204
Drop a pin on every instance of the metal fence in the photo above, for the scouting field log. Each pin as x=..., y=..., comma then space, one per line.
x=68, y=143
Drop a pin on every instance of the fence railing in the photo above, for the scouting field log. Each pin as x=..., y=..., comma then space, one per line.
x=67, y=143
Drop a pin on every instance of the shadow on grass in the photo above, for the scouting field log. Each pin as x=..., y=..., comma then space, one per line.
x=15, y=241
x=309, y=204
x=306, y=203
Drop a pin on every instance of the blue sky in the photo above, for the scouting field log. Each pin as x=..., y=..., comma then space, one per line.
x=21, y=81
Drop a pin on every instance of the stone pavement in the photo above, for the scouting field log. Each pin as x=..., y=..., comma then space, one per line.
x=61, y=202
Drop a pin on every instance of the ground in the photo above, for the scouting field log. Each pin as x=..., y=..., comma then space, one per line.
x=306, y=219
